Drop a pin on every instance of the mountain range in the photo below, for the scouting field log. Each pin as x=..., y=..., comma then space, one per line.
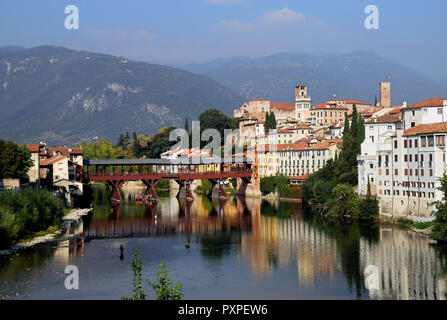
x=62, y=96
x=354, y=75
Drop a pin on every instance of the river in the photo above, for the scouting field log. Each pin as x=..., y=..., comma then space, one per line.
x=239, y=249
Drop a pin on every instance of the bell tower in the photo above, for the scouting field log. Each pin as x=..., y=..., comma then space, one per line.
x=302, y=103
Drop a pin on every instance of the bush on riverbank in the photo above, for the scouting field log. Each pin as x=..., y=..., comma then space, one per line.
x=439, y=231
x=280, y=184
x=25, y=212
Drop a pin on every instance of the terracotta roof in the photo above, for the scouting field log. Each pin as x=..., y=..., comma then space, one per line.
x=283, y=131
x=302, y=177
x=325, y=144
x=282, y=106
x=433, y=102
x=427, y=128
x=322, y=145
x=299, y=126
x=34, y=147
x=386, y=118
x=396, y=111
x=52, y=160
x=65, y=151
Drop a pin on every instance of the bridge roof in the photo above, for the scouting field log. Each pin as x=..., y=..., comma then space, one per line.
x=136, y=162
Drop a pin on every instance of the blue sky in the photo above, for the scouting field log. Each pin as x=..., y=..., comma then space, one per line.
x=184, y=31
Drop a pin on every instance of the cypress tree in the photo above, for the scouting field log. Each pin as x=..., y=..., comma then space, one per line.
x=346, y=127
x=187, y=125
x=361, y=129
x=354, y=124
x=272, y=120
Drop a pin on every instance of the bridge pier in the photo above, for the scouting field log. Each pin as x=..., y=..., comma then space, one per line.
x=185, y=190
x=115, y=196
x=242, y=184
x=217, y=189
x=150, y=188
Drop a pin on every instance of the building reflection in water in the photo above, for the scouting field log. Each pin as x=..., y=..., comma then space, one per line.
x=272, y=235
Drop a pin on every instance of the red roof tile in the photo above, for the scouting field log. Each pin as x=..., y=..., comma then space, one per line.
x=427, y=128
x=386, y=118
x=433, y=102
x=52, y=160
x=286, y=106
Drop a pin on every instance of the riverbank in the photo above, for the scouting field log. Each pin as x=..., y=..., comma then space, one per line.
x=72, y=216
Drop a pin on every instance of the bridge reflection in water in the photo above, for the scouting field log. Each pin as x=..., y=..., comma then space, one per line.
x=271, y=236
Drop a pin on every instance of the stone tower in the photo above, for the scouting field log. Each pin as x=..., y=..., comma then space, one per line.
x=385, y=94
x=302, y=103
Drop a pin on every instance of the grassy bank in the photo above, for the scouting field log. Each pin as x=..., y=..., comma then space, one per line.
x=25, y=213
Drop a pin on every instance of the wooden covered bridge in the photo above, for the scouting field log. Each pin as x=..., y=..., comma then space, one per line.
x=183, y=171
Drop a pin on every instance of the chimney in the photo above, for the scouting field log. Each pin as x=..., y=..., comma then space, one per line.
x=404, y=103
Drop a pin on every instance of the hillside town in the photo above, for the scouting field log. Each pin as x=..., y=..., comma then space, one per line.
x=402, y=156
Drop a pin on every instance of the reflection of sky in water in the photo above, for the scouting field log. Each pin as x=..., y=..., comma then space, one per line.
x=238, y=251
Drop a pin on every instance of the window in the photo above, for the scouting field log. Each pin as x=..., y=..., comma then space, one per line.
x=431, y=172
x=431, y=141
x=405, y=143
x=423, y=141
x=440, y=141
x=410, y=141
x=413, y=124
x=439, y=110
x=396, y=172
x=371, y=127
x=395, y=144
x=415, y=143
x=372, y=138
x=405, y=158
x=395, y=158
x=415, y=158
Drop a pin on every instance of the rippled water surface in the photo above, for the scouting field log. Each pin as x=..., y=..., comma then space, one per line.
x=240, y=249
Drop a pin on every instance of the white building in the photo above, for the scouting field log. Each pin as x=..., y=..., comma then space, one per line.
x=378, y=135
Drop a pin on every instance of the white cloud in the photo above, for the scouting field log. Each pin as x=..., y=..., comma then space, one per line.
x=269, y=19
x=280, y=17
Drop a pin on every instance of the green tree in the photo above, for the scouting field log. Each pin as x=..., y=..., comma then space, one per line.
x=346, y=201
x=137, y=268
x=163, y=287
x=354, y=123
x=213, y=119
x=120, y=141
x=439, y=231
x=135, y=146
x=15, y=160
x=346, y=127
x=361, y=130
x=126, y=141
x=368, y=207
x=187, y=125
x=155, y=145
x=103, y=149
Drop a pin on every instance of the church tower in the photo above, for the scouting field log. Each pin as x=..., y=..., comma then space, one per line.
x=385, y=93
x=302, y=103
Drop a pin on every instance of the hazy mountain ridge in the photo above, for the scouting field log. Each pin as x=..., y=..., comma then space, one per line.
x=63, y=96
x=353, y=75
